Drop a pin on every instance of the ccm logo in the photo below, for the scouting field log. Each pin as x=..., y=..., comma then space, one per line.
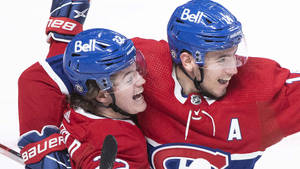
x=61, y=24
x=42, y=148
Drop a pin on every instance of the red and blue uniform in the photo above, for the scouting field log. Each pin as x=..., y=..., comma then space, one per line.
x=41, y=144
x=259, y=109
x=84, y=134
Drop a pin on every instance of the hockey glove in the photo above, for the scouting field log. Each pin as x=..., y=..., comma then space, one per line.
x=66, y=19
x=44, y=150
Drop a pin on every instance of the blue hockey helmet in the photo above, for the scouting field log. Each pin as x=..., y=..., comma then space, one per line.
x=96, y=54
x=201, y=26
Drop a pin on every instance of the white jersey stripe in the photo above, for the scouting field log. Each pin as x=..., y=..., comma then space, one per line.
x=178, y=88
x=246, y=156
x=289, y=81
x=54, y=76
x=152, y=142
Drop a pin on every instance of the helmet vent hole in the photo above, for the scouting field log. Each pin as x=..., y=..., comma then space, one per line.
x=171, y=27
x=208, y=21
x=102, y=46
x=214, y=38
x=104, y=82
x=75, y=54
x=115, y=62
x=218, y=41
x=108, y=64
x=107, y=60
x=179, y=20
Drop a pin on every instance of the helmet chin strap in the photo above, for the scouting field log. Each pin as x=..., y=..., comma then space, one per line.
x=196, y=82
x=117, y=108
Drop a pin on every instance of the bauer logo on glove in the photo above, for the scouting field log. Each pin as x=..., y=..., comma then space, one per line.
x=66, y=19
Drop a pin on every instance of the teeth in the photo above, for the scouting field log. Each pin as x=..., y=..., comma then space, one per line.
x=139, y=95
x=140, y=92
x=227, y=79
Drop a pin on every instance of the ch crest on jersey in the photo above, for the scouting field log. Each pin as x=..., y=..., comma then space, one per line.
x=195, y=99
x=182, y=156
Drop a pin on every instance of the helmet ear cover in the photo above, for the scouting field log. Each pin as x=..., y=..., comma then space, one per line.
x=200, y=27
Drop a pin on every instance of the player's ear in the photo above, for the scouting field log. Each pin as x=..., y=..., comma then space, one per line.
x=187, y=61
x=103, y=97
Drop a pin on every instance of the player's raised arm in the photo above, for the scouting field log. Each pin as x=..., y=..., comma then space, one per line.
x=66, y=20
x=43, y=88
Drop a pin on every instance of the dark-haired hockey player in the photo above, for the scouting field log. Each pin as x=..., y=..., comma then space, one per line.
x=106, y=72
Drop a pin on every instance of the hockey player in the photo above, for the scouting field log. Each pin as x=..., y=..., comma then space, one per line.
x=41, y=143
x=43, y=88
x=104, y=68
x=211, y=107
x=206, y=105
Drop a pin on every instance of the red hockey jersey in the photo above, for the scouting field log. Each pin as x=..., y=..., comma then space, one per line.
x=260, y=108
x=84, y=134
x=42, y=90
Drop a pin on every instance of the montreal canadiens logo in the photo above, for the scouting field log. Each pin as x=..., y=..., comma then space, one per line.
x=187, y=156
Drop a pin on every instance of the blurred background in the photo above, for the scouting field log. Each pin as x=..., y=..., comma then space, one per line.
x=271, y=29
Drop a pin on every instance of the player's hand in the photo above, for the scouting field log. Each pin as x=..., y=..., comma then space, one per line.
x=44, y=150
x=66, y=19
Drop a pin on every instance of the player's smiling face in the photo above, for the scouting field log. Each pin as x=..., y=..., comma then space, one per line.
x=128, y=90
x=219, y=68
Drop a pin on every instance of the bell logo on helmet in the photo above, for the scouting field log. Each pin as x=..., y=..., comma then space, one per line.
x=196, y=18
x=87, y=47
